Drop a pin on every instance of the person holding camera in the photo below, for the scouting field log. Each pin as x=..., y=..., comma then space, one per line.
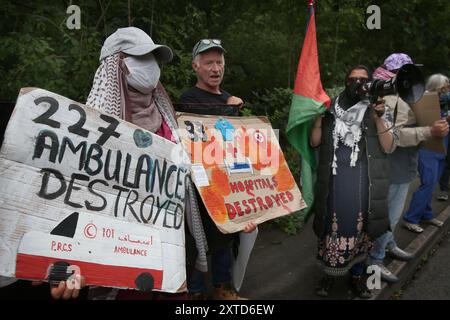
x=431, y=166
x=350, y=204
x=403, y=163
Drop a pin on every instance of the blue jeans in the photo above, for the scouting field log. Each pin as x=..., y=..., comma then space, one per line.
x=431, y=165
x=396, y=201
x=220, y=270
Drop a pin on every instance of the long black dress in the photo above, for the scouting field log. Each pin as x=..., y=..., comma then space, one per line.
x=344, y=242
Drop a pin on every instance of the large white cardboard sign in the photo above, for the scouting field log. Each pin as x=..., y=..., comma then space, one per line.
x=84, y=192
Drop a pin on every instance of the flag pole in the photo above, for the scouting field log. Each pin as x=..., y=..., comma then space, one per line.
x=310, y=9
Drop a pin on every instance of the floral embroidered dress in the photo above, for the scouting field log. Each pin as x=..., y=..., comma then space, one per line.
x=344, y=242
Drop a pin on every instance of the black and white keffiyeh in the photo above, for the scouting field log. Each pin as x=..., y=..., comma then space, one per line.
x=106, y=94
x=347, y=129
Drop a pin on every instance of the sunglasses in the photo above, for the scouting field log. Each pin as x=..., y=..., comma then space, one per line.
x=209, y=41
x=357, y=79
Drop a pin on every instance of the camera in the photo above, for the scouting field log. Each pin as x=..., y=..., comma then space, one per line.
x=409, y=83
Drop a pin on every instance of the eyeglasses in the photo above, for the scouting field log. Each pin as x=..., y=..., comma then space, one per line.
x=209, y=41
x=357, y=79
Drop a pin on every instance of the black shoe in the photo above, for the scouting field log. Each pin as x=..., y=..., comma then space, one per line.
x=324, y=287
x=359, y=287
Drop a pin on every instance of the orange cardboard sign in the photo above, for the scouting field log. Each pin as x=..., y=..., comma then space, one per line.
x=239, y=169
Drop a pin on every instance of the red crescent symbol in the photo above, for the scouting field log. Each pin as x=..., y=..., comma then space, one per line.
x=87, y=231
x=259, y=136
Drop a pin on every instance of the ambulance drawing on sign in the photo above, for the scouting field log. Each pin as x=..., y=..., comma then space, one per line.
x=106, y=252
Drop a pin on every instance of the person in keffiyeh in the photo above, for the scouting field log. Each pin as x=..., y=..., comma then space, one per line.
x=352, y=178
x=126, y=85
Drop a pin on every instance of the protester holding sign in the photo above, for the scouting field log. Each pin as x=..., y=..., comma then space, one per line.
x=353, y=174
x=99, y=197
x=209, y=66
x=127, y=85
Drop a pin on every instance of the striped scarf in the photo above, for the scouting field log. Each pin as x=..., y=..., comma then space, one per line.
x=106, y=94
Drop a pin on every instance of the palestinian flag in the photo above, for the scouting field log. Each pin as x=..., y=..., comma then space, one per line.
x=309, y=99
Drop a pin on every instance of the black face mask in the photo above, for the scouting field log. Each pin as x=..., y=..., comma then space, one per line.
x=352, y=91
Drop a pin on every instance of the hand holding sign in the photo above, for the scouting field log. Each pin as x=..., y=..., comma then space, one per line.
x=233, y=100
x=250, y=227
x=63, y=289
